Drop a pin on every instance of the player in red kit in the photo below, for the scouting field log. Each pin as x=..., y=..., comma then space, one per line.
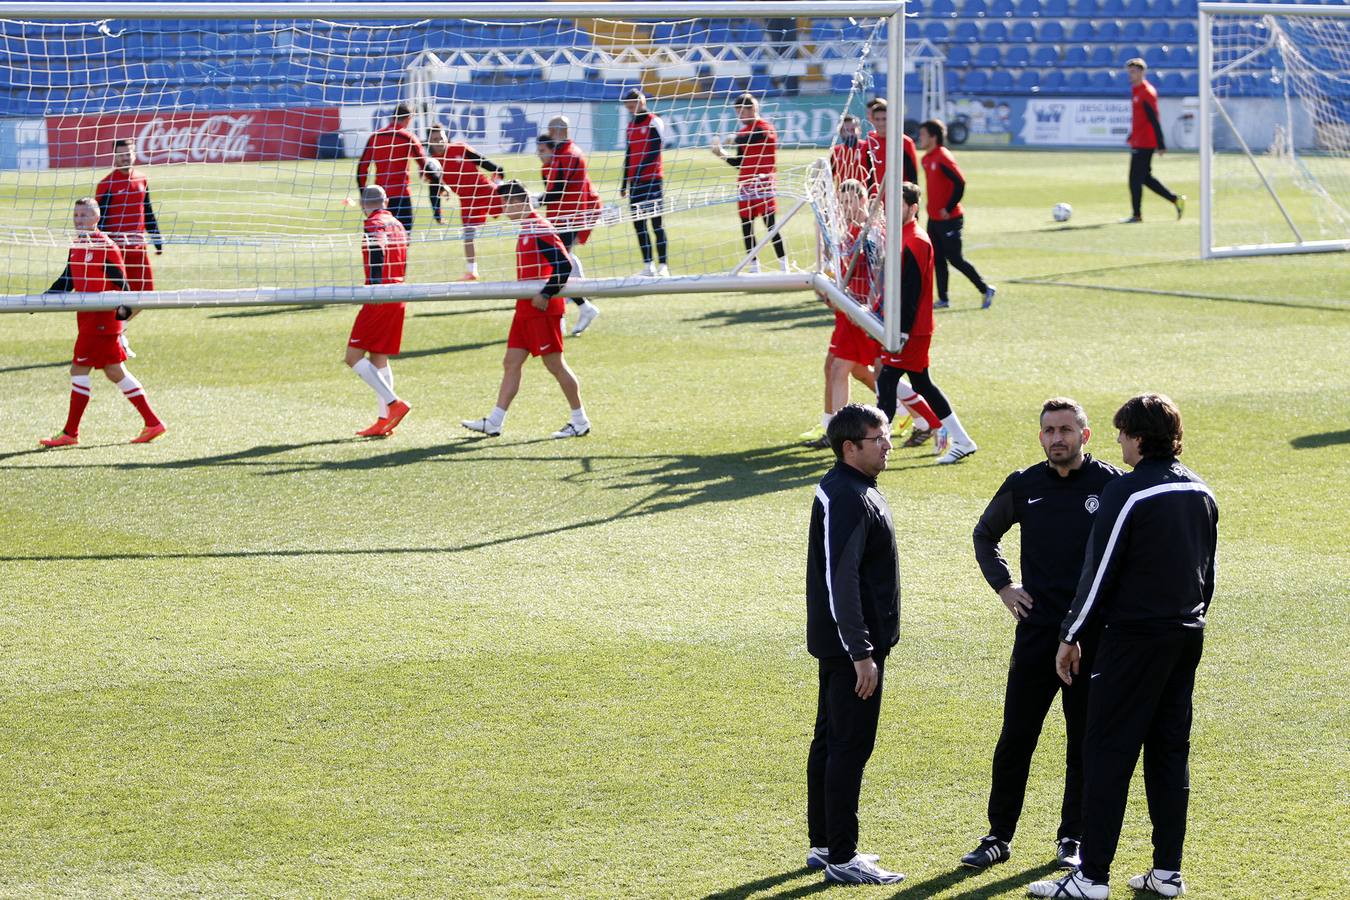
x=644, y=179
x=946, y=187
x=389, y=150
x=126, y=215
x=756, y=164
x=536, y=329
x=460, y=172
x=377, y=333
x=573, y=205
x=848, y=157
x=1146, y=136
x=917, y=263
x=94, y=265
x=876, y=146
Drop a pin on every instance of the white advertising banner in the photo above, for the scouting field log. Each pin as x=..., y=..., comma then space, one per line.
x=500, y=127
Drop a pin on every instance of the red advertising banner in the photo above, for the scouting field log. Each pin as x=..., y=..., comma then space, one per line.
x=190, y=136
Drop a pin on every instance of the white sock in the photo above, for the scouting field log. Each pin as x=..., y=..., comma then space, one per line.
x=82, y=384
x=1164, y=874
x=579, y=416
x=497, y=417
x=129, y=387
x=784, y=263
x=825, y=420
x=954, y=429
x=920, y=424
x=473, y=268
x=387, y=376
x=370, y=375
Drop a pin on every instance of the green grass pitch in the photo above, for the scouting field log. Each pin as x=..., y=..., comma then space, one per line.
x=261, y=657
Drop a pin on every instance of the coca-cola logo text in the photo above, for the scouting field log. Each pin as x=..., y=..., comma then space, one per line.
x=219, y=138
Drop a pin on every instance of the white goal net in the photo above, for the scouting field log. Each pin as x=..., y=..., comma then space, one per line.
x=1275, y=121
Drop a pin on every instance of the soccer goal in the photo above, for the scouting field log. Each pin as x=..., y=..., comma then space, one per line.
x=1275, y=128
x=247, y=121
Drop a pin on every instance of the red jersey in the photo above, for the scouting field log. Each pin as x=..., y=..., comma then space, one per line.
x=1145, y=127
x=916, y=293
x=860, y=283
x=758, y=142
x=646, y=138
x=87, y=267
x=850, y=160
x=462, y=175
x=570, y=191
x=384, y=248
x=876, y=148
x=939, y=168
x=124, y=208
x=537, y=237
x=390, y=150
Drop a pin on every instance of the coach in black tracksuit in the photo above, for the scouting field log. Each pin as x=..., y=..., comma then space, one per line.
x=1055, y=502
x=852, y=621
x=1148, y=578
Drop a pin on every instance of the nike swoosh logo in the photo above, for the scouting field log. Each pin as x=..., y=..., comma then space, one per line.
x=81, y=358
x=1037, y=500
x=1093, y=675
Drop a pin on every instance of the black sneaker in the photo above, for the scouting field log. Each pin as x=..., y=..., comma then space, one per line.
x=1067, y=854
x=991, y=850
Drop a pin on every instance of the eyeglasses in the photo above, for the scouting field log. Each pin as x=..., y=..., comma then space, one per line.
x=875, y=439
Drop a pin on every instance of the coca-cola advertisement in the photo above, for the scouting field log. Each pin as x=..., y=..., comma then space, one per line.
x=196, y=136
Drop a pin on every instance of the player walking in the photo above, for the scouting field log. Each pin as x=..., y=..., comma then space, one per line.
x=93, y=265
x=1146, y=136
x=536, y=329
x=126, y=214
x=573, y=205
x=378, y=331
x=756, y=164
x=946, y=186
x=389, y=150
x=478, y=200
x=644, y=180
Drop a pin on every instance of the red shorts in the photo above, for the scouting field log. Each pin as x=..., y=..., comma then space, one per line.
x=541, y=335
x=139, y=276
x=98, y=350
x=379, y=328
x=750, y=208
x=913, y=357
x=475, y=209
x=852, y=343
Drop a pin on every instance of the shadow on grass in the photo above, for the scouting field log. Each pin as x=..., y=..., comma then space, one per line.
x=270, y=311
x=944, y=881
x=450, y=348
x=1323, y=439
x=793, y=315
x=741, y=891
x=65, y=363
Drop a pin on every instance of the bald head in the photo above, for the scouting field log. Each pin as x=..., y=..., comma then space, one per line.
x=373, y=198
x=558, y=127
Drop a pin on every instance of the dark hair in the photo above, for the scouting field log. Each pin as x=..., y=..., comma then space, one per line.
x=746, y=99
x=911, y=193
x=850, y=423
x=1056, y=404
x=936, y=129
x=124, y=142
x=512, y=190
x=876, y=103
x=545, y=140
x=1155, y=420
x=848, y=117
x=402, y=111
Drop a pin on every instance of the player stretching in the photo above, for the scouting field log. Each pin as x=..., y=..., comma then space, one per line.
x=643, y=179
x=1146, y=136
x=125, y=216
x=876, y=146
x=478, y=200
x=93, y=265
x=946, y=185
x=536, y=329
x=378, y=330
x=573, y=205
x=389, y=150
x=916, y=323
x=756, y=164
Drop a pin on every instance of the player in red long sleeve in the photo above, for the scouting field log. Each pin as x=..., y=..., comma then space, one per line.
x=946, y=186
x=536, y=328
x=126, y=215
x=94, y=265
x=756, y=164
x=1146, y=136
x=849, y=159
x=876, y=146
x=389, y=150
x=377, y=333
x=644, y=179
x=460, y=172
x=573, y=205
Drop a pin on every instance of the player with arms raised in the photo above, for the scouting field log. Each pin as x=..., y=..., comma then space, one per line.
x=478, y=200
x=389, y=150
x=756, y=164
x=94, y=265
x=377, y=333
x=644, y=179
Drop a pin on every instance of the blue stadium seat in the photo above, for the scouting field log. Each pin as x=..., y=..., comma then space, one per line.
x=1052, y=82
x=1133, y=31
x=1022, y=32
x=1085, y=9
x=1108, y=32
x=913, y=83
x=1112, y=8
x=1002, y=9
x=1001, y=82
x=1103, y=83
x=1140, y=9
x=1057, y=9
x=1156, y=57
x=1048, y=57
x=994, y=33
x=976, y=81
x=1077, y=82
x=959, y=56
x=974, y=9
x=916, y=7
x=1018, y=56
x=1185, y=9
x=942, y=8
x=1159, y=32
x=987, y=57
x=1192, y=84
x=1101, y=56
x=966, y=32
x=952, y=79
x=1083, y=33
x=1173, y=83
x=1028, y=81
x=1185, y=33
x=936, y=32
x=821, y=30
x=1127, y=52
x=1184, y=58
x=1028, y=9
x=1050, y=32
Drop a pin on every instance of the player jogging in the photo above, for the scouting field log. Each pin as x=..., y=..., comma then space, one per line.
x=536, y=329
x=478, y=200
x=93, y=265
x=946, y=186
x=916, y=324
x=876, y=147
x=378, y=331
x=756, y=164
x=644, y=180
x=389, y=150
x=573, y=205
x=1146, y=136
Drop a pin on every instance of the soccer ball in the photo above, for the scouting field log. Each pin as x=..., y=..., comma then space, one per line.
x=1062, y=212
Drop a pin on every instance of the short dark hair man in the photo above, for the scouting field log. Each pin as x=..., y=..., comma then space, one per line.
x=643, y=181
x=1055, y=503
x=852, y=621
x=946, y=186
x=1148, y=578
x=388, y=150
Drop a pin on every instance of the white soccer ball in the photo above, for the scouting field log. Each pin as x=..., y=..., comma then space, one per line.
x=1062, y=212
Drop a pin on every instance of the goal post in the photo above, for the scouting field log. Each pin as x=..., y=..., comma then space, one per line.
x=1274, y=128
x=277, y=226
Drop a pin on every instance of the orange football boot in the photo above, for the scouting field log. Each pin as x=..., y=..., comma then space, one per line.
x=61, y=440
x=379, y=429
x=397, y=410
x=149, y=433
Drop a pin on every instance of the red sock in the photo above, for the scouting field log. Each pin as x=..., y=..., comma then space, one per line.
x=917, y=404
x=131, y=389
x=79, y=399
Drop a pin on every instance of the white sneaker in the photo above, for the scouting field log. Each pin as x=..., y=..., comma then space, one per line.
x=586, y=314
x=1163, y=887
x=482, y=426
x=958, y=451
x=753, y=268
x=662, y=271
x=1071, y=885
x=860, y=871
x=819, y=857
x=571, y=429
x=648, y=271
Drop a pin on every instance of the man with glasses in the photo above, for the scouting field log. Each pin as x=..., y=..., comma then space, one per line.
x=852, y=621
